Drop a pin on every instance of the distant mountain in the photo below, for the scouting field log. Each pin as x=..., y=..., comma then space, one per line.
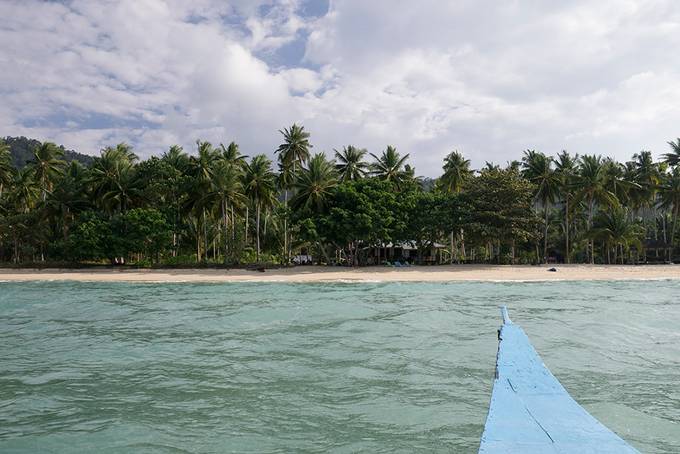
x=21, y=149
x=428, y=183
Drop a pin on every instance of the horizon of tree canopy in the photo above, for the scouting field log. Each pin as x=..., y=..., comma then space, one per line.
x=219, y=207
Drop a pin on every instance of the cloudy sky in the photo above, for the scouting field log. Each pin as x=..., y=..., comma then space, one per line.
x=489, y=78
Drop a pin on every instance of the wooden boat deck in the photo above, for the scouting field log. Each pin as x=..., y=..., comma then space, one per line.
x=531, y=412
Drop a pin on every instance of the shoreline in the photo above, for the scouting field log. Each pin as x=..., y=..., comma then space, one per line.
x=440, y=273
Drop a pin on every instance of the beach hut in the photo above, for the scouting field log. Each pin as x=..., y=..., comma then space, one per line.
x=408, y=251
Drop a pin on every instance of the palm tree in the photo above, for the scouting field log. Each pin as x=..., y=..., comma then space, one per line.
x=673, y=158
x=618, y=181
x=6, y=168
x=113, y=179
x=22, y=197
x=537, y=168
x=260, y=187
x=669, y=198
x=232, y=154
x=47, y=164
x=202, y=165
x=177, y=158
x=591, y=183
x=294, y=150
x=201, y=169
x=293, y=153
x=647, y=176
x=179, y=164
x=614, y=228
x=68, y=197
x=565, y=167
x=456, y=173
x=225, y=192
x=314, y=184
x=390, y=166
x=350, y=163
x=25, y=190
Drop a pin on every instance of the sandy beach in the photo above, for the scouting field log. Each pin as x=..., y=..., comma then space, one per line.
x=369, y=274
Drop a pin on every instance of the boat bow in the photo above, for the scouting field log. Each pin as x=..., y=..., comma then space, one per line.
x=531, y=412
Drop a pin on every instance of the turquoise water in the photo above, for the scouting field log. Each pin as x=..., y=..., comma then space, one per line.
x=267, y=368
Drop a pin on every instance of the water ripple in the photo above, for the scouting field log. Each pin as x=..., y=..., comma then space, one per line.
x=272, y=368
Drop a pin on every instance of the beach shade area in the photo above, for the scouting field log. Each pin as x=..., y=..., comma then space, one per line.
x=531, y=412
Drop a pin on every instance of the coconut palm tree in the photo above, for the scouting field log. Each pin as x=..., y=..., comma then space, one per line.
x=47, y=165
x=6, y=168
x=350, y=163
x=259, y=185
x=669, y=198
x=293, y=153
x=201, y=170
x=614, y=228
x=295, y=147
x=232, y=154
x=618, y=181
x=390, y=166
x=177, y=158
x=565, y=167
x=590, y=181
x=224, y=193
x=537, y=168
x=673, y=158
x=647, y=176
x=314, y=184
x=113, y=179
x=456, y=172
x=22, y=197
x=68, y=197
x=25, y=190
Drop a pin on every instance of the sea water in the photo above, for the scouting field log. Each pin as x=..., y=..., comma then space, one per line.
x=268, y=368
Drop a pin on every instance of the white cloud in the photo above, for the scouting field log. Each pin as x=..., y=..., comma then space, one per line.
x=489, y=79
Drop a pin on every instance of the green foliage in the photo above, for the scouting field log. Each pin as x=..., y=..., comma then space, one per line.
x=501, y=211
x=220, y=207
x=91, y=238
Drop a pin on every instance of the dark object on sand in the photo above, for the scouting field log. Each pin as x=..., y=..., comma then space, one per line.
x=552, y=269
x=259, y=268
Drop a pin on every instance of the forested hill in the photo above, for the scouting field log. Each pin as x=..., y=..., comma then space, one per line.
x=21, y=150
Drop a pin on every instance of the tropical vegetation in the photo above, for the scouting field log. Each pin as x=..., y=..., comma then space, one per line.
x=215, y=206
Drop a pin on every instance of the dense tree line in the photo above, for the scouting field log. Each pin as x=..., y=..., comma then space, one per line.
x=218, y=206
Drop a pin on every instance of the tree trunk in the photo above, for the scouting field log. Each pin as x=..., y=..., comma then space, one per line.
x=451, y=239
x=205, y=235
x=233, y=224
x=246, y=234
x=285, y=227
x=512, y=252
x=675, y=222
x=257, y=228
x=545, y=234
x=590, y=227
x=566, y=230
x=198, y=246
x=225, y=221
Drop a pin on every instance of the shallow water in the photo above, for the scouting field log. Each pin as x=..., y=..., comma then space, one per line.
x=398, y=367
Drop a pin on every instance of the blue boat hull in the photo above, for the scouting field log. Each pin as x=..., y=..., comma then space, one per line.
x=531, y=412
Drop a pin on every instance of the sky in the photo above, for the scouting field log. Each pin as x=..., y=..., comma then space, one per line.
x=487, y=78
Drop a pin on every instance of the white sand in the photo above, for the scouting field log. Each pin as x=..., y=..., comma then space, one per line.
x=369, y=274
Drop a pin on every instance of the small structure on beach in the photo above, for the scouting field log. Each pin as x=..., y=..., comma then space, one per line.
x=407, y=251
